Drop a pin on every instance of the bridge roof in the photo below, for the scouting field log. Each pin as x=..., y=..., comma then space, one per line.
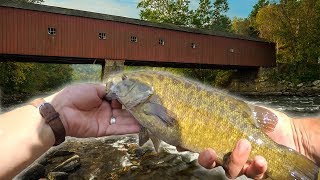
x=93, y=15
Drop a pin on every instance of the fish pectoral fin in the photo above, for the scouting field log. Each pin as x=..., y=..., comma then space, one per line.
x=264, y=118
x=143, y=136
x=155, y=141
x=159, y=111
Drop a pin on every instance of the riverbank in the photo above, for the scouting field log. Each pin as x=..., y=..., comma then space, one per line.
x=280, y=88
x=117, y=157
x=284, y=79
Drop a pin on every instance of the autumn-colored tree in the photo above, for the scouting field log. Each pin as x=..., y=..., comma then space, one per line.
x=294, y=26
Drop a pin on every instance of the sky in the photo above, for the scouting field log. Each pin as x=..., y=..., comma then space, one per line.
x=128, y=8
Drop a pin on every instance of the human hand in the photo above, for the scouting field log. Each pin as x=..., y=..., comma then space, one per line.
x=285, y=133
x=238, y=163
x=85, y=113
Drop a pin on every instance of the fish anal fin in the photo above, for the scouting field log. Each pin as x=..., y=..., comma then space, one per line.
x=264, y=119
x=143, y=136
x=156, y=142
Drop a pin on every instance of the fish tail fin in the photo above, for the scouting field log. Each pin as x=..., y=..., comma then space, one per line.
x=299, y=166
x=305, y=169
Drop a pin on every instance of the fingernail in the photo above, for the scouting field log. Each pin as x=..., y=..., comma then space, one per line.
x=242, y=147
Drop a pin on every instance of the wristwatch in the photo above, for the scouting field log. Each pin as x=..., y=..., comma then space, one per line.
x=52, y=118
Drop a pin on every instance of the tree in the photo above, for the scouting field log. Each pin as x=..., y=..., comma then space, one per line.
x=206, y=16
x=260, y=4
x=221, y=22
x=165, y=11
x=203, y=15
x=293, y=25
x=241, y=26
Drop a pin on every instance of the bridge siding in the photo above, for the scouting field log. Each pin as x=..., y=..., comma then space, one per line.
x=25, y=32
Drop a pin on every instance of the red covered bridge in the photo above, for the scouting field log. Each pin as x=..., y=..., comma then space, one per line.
x=44, y=33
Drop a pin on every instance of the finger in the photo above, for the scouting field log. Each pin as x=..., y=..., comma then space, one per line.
x=257, y=168
x=207, y=158
x=101, y=90
x=121, y=112
x=115, y=104
x=238, y=158
x=125, y=120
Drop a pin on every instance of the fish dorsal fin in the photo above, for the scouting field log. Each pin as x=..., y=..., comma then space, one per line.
x=143, y=136
x=264, y=118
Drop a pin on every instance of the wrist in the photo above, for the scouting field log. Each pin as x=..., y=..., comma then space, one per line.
x=51, y=118
x=60, y=107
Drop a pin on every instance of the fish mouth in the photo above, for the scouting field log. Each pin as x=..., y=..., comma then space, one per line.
x=111, y=91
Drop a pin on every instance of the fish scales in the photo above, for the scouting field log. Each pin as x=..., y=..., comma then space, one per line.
x=208, y=118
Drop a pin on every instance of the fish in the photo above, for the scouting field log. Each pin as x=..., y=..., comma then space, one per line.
x=193, y=116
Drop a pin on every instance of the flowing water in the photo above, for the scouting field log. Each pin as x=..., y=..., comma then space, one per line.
x=298, y=106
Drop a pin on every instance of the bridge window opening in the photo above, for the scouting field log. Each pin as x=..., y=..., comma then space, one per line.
x=102, y=36
x=193, y=45
x=51, y=31
x=161, y=42
x=134, y=39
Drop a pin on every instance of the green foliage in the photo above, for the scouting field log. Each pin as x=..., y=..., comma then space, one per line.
x=167, y=11
x=202, y=16
x=223, y=78
x=86, y=72
x=206, y=16
x=221, y=21
x=260, y=4
x=220, y=78
x=295, y=73
x=241, y=26
x=32, y=77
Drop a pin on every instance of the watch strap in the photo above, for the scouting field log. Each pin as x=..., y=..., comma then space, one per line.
x=52, y=118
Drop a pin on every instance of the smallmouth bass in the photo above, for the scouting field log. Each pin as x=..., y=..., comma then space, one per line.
x=188, y=114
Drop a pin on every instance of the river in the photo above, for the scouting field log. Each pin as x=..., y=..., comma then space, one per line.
x=299, y=106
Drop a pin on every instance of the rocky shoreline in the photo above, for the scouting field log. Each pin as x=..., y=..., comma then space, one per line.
x=116, y=157
x=263, y=87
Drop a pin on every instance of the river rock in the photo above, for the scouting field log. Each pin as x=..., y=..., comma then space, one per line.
x=316, y=83
x=69, y=164
x=57, y=176
x=300, y=85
